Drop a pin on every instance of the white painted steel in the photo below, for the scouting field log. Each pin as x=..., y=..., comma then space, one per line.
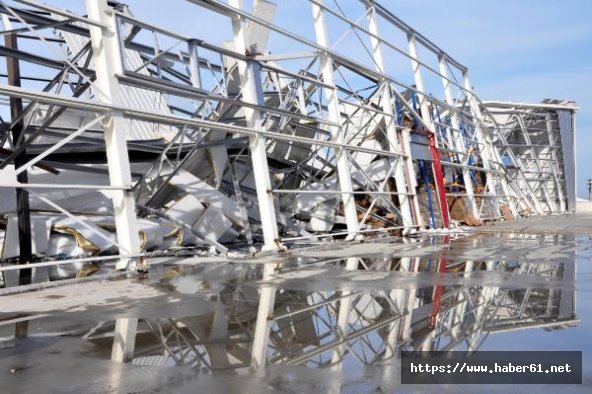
x=343, y=165
x=457, y=140
x=393, y=135
x=107, y=56
x=251, y=88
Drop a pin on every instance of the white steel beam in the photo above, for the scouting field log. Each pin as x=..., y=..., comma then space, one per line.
x=409, y=304
x=459, y=145
x=327, y=74
x=252, y=92
x=403, y=184
x=175, y=120
x=488, y=153
x=484, y=300
x=410, y=174
x=108, y=63
x=513, y=104
x=263, y=323
x=424, y=107
x=419, y=85
x=64, y=13
x=461, y=308
x=194, y=72
x=58, y=145
x=341, y=329
x=398, y=297
x=555, y=166
x=124, y=340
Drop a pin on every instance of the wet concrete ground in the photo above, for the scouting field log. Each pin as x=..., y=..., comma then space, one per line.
x=319, y=320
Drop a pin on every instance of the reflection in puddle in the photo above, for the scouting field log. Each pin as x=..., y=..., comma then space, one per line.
x=339, y=314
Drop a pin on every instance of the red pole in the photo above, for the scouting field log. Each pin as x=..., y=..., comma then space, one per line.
x=439, y=289
x=439, y=179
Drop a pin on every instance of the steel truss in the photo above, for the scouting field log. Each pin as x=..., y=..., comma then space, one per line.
x=536, y=141
x=138, y=138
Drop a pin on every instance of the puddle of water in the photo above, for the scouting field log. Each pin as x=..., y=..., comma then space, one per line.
x=328, y=321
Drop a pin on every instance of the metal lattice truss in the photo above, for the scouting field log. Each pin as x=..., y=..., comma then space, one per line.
x=124, y=137
x=537, y=143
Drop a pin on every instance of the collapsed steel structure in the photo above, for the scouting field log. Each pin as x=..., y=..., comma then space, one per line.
x=124, y=137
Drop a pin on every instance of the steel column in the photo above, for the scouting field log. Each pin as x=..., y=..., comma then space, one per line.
x=409, y=304
x=488, y=154
x=398, y=296
x=17, y=132
x=263, y=323
x=457, y=138
x=391, y=126
x=485, y=298
x=252, y=92
x=427, y=119
x=559, y=185
x=124, y=340
x=108, y=64
x=342, y=327
x=327, y=75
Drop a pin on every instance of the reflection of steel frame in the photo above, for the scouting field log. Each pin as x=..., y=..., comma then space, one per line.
x=277, y=151
x=322, y=328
